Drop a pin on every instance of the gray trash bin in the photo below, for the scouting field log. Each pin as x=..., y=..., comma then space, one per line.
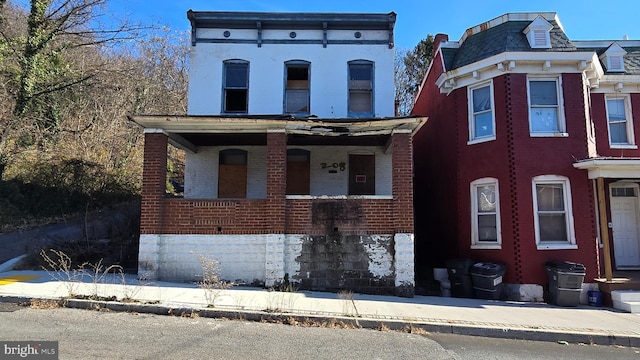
x=487, y=280
x=458, y=269
x=565, y=282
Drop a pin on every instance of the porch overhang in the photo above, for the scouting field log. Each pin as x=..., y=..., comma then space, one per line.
x=189, y=132
x=620, y=168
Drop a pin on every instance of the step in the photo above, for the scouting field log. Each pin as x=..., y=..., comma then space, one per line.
x=629, y=306
x=626, y=295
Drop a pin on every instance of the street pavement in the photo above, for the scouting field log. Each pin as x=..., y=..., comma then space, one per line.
x=489, y=318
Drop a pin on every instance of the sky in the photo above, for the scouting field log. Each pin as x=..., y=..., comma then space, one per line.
x=582, y=20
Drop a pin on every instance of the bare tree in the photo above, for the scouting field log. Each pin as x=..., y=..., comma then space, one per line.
x=410, y=67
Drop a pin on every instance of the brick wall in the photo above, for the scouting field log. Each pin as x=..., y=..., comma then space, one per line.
x=276, y=180
x=445, y=166
x=402, y=151
x=599, y=116
x=154, y=178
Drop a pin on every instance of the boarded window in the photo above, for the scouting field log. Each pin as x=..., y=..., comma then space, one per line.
x=362, y=174
x=298, y=172
x=297, y=88
x=232, y=174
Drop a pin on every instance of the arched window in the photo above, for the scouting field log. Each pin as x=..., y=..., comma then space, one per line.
x=485, y=214
x=297, y=87
x=360, y=88
x=298, y=172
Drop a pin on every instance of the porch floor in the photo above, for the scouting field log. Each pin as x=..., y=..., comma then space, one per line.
x=622, y=280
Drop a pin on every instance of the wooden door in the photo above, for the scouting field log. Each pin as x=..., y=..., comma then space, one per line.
x=362, y=174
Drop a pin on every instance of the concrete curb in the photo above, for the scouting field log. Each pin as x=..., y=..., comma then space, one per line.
x=518, y=333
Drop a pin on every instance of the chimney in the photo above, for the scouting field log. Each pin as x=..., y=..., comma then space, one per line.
x=439, y=38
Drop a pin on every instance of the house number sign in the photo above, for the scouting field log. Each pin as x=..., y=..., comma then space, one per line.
x=335, y=166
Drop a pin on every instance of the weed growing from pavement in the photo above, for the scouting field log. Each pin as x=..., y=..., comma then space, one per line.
x=211, y=282
x=349, y=304
x=97, y=273
x=60, y=268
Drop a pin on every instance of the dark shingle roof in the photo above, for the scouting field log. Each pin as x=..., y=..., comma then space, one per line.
x=631, y=59
x=505, y=37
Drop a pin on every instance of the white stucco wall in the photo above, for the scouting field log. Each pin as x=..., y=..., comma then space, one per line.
x=329, y=88
x=201, y=171
x=242, y=258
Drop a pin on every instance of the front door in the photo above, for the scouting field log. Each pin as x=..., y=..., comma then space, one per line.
x=624, y=215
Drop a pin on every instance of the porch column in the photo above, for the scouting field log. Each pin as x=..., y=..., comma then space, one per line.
x=154, y=181
x=154, y=178
x=402, y=189
x=276, y=202
x=604, y=229
x=402, y=177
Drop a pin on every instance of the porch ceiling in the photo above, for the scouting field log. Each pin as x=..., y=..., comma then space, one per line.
x=189, y=132
x=621, y=168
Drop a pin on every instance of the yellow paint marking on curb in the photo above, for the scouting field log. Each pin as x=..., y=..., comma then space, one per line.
x=16, y=278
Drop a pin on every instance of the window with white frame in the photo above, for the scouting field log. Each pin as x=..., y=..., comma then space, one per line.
x=296, y=87
x=553, y=215
x=360, y=88
x=619, y=120
x=236, y=86
x=485, y=214
x=481, y=117
x=545, y=111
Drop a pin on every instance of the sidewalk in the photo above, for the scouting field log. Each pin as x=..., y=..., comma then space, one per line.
x=516, y=320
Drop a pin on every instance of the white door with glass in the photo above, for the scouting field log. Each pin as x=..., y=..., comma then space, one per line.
x=624, y=215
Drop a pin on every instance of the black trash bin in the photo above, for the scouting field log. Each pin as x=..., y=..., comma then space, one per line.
x=487, y=280
x=565, y=282
x=458, y=270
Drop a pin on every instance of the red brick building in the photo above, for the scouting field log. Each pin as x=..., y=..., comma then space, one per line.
x=525, y=127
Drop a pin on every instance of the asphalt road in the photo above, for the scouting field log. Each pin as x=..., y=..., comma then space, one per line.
x=86, y=334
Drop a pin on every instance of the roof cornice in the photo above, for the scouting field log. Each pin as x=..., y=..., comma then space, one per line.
x=533, y=62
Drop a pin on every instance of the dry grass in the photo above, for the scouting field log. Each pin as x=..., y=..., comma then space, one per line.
x=45, y=304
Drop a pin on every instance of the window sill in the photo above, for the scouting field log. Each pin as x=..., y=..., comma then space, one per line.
x=549, y=134
x=486, y=247
x=560, y=246
x=624, y=146
x=481, y=140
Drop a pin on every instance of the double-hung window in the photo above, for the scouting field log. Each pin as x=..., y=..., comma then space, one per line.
x=236, y=86
x=546, y=116
x=360, y=88
x=481, y=117
x=620, y=121
x=485, y=214
x=553, y=216
x=296, y=87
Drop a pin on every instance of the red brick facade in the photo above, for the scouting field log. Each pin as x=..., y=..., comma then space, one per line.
x=446, y=165
x=276, y=214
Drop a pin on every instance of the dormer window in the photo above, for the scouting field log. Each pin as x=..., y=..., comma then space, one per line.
x=613, y=58
x=538, y=33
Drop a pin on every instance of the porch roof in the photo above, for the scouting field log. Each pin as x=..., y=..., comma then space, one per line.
x=606, y=167
x=189, y=132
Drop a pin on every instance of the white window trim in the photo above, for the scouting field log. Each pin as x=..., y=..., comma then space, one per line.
x=629, y=119
x=472, y=139
x=562, y=125
x=571, y=235
x=475, y=242
x=538, y=25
